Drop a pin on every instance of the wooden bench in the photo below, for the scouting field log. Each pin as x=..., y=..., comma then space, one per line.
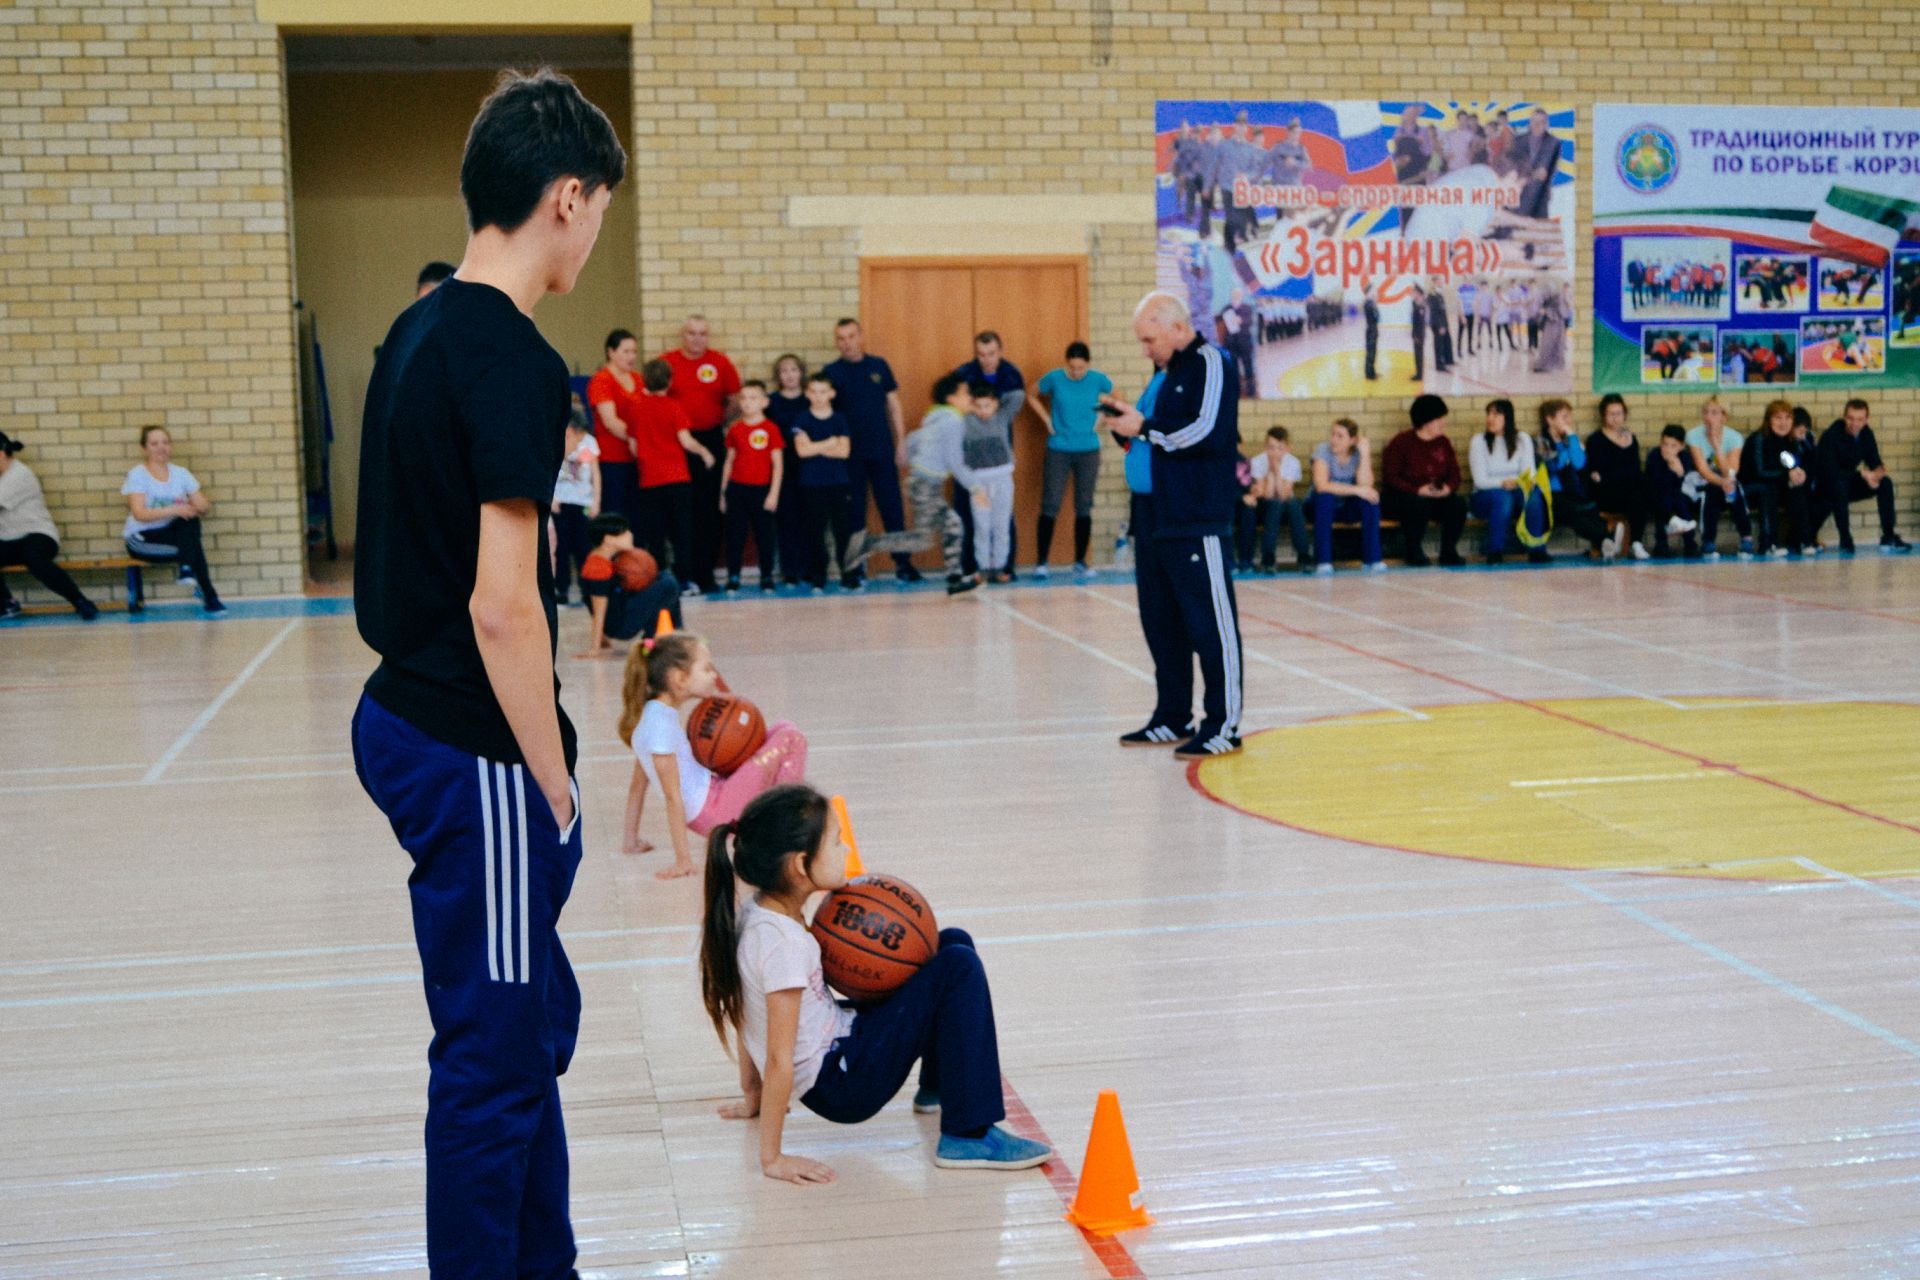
x=136, y=578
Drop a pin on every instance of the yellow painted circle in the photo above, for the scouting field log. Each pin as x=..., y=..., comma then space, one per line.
x=1738, y=788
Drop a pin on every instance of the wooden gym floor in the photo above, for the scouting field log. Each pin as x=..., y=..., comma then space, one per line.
x=1660, y=1017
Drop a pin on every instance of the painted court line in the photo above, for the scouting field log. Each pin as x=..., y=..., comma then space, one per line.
x=1792, y=600
x=1081, y=645
x=687, y=958
x=1631, y=642
x=1754, y=971
x=1858, y=883
x=1304, y=674
x=1107, y=1249
x=225, y=696
x=1569, y=718
x=1615, y=779
x=1468, y=645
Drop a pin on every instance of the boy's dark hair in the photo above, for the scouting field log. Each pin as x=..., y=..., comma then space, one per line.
x=1277, y=433
x=533, y=130
x=1674, y=431
x=608, y=524
x=982, y=391
x=755, y=383
x=985, y=336
x=434, y=273
x=1078, y=351
x=618, y=336
x=819, y=376
x=944, y=386
x=657, y=375
x=1801, y=418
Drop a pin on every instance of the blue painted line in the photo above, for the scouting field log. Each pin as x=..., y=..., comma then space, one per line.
x=1754, y=971
x=190, y=611
x=648, y=962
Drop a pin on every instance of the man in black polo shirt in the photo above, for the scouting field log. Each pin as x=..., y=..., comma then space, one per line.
x=459, y=737
x=866, y=395
x=1186, y=591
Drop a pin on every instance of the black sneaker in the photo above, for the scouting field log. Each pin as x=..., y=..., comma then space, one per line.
x=10, y=608
x=1893, y=544
x=1846, y=547
x=1199, y=748
x=1418, y=560
x=964, y=583
x=908, y=574
x=1155, y=735
x=87, y=609
x=1452, y=560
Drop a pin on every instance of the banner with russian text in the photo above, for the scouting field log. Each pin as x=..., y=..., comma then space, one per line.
x=1756, y=246
x=1368, y=248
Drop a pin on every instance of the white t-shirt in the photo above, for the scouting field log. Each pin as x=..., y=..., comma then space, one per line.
x=23, y=508
x=159, y=493
x=574, y=488
x=1289, y=470
x=776, y=953
x=660, y=733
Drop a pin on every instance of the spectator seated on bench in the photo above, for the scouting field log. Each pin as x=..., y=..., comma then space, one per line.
x=1343, y=490
x=1420, y=481
x=164, y=507
x=28, y=535
x=1499, y=456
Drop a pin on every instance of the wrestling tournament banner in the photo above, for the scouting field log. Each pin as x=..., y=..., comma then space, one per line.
x=1369, y=248
x=1753, y=246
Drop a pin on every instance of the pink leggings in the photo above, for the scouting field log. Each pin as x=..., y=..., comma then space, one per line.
x=783, y=758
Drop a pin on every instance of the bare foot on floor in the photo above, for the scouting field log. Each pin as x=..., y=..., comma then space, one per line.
x=675, y=872
x=637, y=846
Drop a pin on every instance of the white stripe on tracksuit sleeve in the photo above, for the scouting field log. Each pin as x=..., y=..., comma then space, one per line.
x=1197, y=430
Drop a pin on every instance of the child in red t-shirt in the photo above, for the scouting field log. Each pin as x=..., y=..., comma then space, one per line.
x=661, y=442
x=750, y=483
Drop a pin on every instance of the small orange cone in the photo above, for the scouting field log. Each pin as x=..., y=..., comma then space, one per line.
x=664, y=627
x=854, y=866
x=1108, y=1201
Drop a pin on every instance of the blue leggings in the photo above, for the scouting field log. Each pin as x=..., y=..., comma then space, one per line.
x=1499, y=508
x=1329, y=507
x=944, y=1017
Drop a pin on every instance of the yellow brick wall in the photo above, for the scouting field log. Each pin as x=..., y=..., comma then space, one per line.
x=852, y=97
x=145, y=269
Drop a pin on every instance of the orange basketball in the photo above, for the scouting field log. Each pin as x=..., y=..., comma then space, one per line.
x=725, y=732
x=636, y=569
x=874, y=933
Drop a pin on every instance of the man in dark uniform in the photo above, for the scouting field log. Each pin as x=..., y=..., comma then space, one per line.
x=1370, y=310
x=1442, y=336
x=1417, y=316
x=1186, y=591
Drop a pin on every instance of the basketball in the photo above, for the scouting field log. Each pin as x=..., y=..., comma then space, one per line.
x=874, y=933
x=725, y=732
x=636, y=569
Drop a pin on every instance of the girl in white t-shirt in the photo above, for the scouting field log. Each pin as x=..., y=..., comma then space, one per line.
x=164, y=506
x=761, y=979
x=663, y=675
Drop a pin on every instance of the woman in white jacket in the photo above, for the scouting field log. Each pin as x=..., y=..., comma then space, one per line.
x=1498, y=457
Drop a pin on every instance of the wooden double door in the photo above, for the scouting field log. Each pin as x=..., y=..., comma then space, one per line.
x=921, y=314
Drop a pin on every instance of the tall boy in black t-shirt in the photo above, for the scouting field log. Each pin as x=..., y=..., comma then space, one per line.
x=459, y=737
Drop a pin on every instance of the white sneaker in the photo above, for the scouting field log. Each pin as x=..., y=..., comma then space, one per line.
x=1811, y=549
x=1041, y=572
x=1711, y=557
x=1640, y=552
x=1676, y=525
x=1378, y=566
x=1609, y=546
x=1323, y=571
x=1778, y=553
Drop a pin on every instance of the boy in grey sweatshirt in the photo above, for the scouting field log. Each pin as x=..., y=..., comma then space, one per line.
x=934, y=452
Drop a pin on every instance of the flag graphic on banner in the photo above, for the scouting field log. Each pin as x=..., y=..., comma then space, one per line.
x=1863, y=225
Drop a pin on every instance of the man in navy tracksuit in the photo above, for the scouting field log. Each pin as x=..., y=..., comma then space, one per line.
x=1186, y=592
x=459, y=737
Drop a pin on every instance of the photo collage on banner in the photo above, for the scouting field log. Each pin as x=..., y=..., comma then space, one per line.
x=1755, y=246
x=1369, y=248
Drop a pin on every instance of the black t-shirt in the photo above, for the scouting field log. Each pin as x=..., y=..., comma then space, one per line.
x=468, y=404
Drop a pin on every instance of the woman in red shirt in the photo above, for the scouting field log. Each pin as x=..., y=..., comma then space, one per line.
x=610, y=397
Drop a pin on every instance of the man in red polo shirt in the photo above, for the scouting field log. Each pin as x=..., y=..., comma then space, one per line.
x=705, y=385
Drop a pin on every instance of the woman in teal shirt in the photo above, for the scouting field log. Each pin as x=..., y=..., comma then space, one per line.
x=1068, y=400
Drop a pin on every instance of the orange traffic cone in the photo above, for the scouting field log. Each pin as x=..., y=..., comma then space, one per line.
x=854, y=866
x=664, y=627
x=1108, y=1201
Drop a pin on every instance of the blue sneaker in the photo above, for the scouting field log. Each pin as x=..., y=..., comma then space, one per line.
x=997, y=1150
x=925, y=1103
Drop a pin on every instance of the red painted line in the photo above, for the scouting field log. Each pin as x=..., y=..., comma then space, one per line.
x=1702, y=761
x=1112, y=1254
x=1804, y=604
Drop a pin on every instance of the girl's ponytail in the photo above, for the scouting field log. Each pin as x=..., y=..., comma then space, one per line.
x=720, y=936
x=633, y=692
